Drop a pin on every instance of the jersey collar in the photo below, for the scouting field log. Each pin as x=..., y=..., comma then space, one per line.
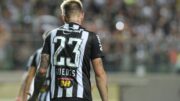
x=72, y=25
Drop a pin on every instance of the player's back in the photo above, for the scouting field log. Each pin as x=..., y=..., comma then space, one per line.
x=71, y=48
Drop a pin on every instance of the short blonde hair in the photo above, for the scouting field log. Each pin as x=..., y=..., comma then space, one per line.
x=65, y=2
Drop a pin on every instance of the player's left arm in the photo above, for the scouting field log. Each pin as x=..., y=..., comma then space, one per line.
x=101, y=78
x=100, y=74
x=40, y=76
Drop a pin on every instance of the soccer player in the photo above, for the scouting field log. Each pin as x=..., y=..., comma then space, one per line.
x=68, y=51
x=27, y=86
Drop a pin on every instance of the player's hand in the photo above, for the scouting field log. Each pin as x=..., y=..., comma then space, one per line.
x=18, y=98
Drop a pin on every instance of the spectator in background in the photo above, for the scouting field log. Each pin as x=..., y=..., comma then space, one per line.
x=177, y=65
x=156, y=22
x=5, y=51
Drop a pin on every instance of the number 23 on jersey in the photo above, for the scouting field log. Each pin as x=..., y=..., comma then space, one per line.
x=66, y=61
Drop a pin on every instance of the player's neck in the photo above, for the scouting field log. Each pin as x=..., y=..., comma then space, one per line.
x=77, y=21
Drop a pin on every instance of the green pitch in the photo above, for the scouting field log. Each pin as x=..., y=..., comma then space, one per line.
x=9, y=91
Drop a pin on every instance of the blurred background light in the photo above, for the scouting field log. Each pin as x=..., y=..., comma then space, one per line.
x=120, y=25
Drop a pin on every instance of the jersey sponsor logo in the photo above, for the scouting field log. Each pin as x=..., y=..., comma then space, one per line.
x=65, y=82
x=64, y=71
x=65, y=76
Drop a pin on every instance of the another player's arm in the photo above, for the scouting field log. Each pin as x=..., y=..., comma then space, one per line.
x=40, y=76
x=41, y=72
x=24, y=90
x=101, y=78
x=28, y=81
x=19, y=97
x=20, y=94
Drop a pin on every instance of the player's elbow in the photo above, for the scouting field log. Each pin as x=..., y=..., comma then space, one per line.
x=100, y=74
x=101, y=78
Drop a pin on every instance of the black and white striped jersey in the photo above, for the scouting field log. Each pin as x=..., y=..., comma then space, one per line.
x=33, y=62
x=71, y=49
x=34, y=59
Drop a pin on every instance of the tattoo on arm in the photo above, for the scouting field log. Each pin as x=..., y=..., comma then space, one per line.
x=44, y=61
x=41, y=74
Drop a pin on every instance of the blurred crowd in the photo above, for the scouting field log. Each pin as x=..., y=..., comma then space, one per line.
x=137, y=35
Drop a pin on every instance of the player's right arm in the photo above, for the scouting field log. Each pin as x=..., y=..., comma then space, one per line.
x=40, y=76
x=41, y=72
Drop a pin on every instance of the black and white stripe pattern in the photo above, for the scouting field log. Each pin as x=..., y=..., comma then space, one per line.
x=53, y=34
x=71, y=48
x=80, y=87
x=34, y=62
x=79, y=78
x=44, y=96
x=57, y=91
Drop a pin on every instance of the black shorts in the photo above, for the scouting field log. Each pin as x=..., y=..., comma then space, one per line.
x=69, y=99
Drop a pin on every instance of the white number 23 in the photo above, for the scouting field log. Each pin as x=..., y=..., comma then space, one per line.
x=62, y=45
